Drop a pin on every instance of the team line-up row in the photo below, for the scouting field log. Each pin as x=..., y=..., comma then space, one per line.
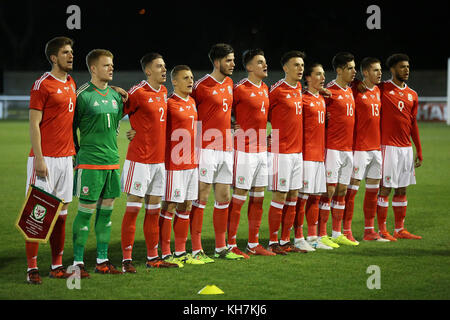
x=323, y=142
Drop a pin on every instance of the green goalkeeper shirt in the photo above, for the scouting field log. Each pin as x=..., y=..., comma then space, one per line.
x=97, y=116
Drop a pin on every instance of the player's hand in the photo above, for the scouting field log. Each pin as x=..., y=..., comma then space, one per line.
x=130, y=134
x=361, y=87
x=40, y=167
x=417, y=162
x=325, y=92
x=122, y=92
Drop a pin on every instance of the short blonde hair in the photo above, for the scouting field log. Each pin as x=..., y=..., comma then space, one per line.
x=93, y=56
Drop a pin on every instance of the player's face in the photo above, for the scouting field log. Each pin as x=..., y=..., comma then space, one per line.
x=317, y=78
x=157, y=71
x=184, y=82
x=373, y=74
x=64, y=59
x=401, y=71
x=226, y=65
x=258, y=66
x=348, y=72
x=294, y=69
x=103, y=68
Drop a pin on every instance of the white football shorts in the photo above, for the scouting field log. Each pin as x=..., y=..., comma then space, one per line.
x=285, y=171
x=215, y=166
x=59, y=181
x=250, y=170
x=338, y=165
x=367, y=164
x=314, y=177
x=140, y=179
x=398, y=167
x=181, y=185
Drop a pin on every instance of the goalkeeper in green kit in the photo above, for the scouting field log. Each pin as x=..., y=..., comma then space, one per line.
x=97, y=180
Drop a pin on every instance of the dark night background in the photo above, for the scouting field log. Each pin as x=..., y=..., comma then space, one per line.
x=184, y=33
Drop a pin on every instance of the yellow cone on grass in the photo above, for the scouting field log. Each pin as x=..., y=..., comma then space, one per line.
x=211, y=289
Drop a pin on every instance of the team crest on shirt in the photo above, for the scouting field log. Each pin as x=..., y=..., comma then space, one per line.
x=137, y=186
x=73, y=88
x=265, y=93
x=114, y=104
x=230, y=91
x=203, y=172
x=410, y=97
x=282, y=182
x=241, y=179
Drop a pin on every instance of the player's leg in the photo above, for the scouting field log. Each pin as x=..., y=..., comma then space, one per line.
x=399, y=201
x=132, y=183
x=105, y=206
x=338, y=200
x=324, y=213
x=234, y=214
x=390, y=159
x=370, y=210
x=87, y=188
x=350, y=195
x=196, y=217
x=63, y=189
x=275, y=217
x=288, y=218
x=244, y=170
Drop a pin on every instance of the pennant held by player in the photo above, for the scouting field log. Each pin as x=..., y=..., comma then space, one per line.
x=38, y=215
x=211, y=289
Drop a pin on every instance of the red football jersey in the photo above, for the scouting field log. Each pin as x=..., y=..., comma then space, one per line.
x=367, y=119
x=56, y=99
x=147, y=110
x=214, y=101
x=339, y=130
x=398, y=114
x=181, y=132
x=313, y=127
x=285, y=115
x=251, y=105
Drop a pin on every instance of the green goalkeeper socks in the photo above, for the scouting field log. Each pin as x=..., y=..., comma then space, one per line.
x=81, y=231
x=103, y=231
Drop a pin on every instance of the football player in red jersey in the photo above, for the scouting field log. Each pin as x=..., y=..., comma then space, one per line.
x=250, y=106
x=144, y=174
x=213, y=95
x=398, y=126
x=285, y=159
x=366, y=149
x=339, y=145
x=52, y=105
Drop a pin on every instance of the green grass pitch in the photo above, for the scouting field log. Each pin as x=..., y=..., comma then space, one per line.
x=409, y=269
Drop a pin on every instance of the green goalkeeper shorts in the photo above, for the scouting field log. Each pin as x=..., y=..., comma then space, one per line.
x=92, y=184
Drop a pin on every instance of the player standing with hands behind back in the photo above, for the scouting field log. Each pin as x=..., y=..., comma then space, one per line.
x=398, y=126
